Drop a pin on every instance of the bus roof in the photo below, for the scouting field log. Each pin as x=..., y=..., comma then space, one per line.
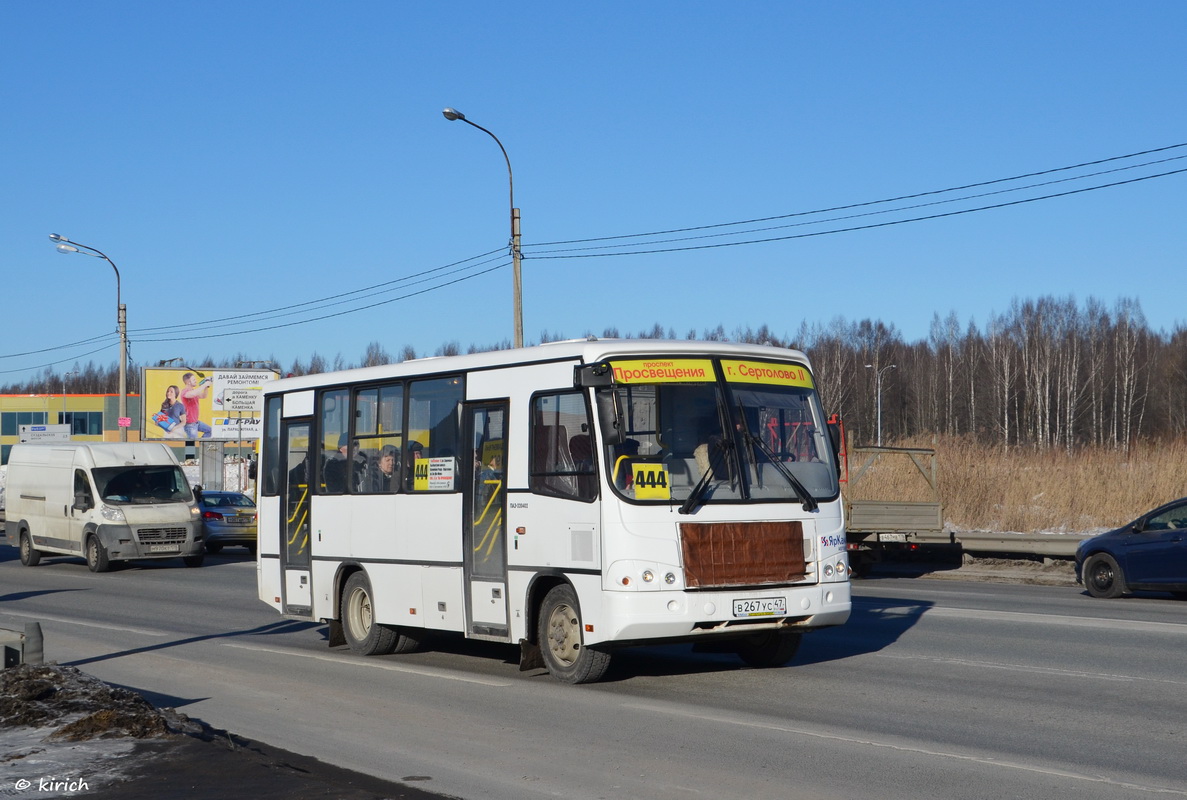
x=585, y=351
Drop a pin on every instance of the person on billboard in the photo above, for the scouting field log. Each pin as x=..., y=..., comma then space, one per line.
x=171, y=417
x=190, y=395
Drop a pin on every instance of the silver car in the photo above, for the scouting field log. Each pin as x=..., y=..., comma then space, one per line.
x=228, y=519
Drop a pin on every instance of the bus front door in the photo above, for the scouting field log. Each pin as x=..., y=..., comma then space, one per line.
x=294, y=523
x=484, y=531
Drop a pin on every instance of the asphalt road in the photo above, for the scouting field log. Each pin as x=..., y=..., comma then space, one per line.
x=935, y=689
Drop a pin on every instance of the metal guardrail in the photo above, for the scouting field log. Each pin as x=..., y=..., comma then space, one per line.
x=1055, y=545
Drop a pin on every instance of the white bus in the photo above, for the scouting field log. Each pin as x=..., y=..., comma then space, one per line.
x=573, y=498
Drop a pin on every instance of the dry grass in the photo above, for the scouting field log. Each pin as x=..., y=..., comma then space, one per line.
x=986, y=488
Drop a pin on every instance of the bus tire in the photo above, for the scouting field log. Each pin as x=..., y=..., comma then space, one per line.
x=769, y=649
x=1103, y=576
x=363, y=634
x=565, y=655
x=30, y=556
x=97, y=560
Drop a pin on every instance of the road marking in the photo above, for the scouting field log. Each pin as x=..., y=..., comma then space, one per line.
x=1104, y=676
x=886, y=745
x=1026, y=616
x=64, y=620
x=337, y=659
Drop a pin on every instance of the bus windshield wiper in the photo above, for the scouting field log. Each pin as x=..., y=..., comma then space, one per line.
x=694, y=497
x=809, y=501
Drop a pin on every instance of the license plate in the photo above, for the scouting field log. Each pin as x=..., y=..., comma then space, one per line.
x=164, y=548
x=892, y=537
x=761, y=607
x=238, y=520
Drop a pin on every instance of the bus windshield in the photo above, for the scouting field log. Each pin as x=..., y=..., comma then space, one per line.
x=710, y=431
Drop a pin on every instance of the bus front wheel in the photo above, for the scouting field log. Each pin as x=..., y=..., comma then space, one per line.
x=565, y=654
x=364, y=635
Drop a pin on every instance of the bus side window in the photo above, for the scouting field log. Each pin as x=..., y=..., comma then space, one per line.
x=562, y=464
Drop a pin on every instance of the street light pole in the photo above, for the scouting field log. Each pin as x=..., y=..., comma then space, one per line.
x=64, y=377
x=452, y=114
x=878, y=389
x=66, y=246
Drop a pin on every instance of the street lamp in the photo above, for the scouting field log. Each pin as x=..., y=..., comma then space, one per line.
x=452, y=114
x=66, y=246
x=64, y=377
x=878, y=389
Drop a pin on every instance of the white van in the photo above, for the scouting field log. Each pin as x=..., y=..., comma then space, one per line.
x=105, y=501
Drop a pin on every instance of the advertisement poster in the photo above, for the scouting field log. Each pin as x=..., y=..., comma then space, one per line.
x=203, y=403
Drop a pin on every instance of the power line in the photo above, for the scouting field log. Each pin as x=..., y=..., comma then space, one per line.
x=869, y=202
x=328, y=316
x=288, y=310
x=866, y=227
x=62, y=361
x=876, y=213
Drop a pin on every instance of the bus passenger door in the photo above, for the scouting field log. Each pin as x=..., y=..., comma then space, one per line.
x=295, y=481
x=484, y=537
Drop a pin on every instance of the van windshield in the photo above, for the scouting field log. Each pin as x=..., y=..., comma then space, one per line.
x=147, y=484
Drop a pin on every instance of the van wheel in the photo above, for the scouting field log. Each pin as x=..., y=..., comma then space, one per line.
x=565, y=654
x=194, y=561
x=213, y=547
x=30, y=556
x=364, y=635
x=96, y=555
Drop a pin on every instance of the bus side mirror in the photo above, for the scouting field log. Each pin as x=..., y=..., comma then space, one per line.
x=834, y=438
x=608, y=416
x=597, y=376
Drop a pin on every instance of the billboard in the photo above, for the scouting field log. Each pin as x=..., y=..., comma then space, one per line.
x=209, y=403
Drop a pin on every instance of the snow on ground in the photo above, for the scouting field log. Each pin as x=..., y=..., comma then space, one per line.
x=64, y=733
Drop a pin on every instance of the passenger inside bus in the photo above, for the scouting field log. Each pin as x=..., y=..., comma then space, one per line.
x=383, y=474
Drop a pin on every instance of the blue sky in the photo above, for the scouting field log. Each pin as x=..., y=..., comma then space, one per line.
x=235, y=158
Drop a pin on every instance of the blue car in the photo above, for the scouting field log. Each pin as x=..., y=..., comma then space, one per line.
x=1149, y=554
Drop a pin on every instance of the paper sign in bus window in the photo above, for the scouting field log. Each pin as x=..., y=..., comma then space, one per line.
x=433, y=474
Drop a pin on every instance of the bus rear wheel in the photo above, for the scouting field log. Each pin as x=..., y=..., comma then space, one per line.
x=363, y=634
x=770, y=649
x=30, y=556
x=565, y=654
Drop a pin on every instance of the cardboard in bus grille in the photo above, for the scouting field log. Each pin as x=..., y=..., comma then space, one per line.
x=742, y=553
x=150, y=535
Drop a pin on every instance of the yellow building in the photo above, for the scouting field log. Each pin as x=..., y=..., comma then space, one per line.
x=91, y=417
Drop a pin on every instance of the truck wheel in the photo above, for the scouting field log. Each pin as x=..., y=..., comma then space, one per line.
x=770, y=649
x=30, y=556
x=565, y=655
x=364, y=635
x=96, y=555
